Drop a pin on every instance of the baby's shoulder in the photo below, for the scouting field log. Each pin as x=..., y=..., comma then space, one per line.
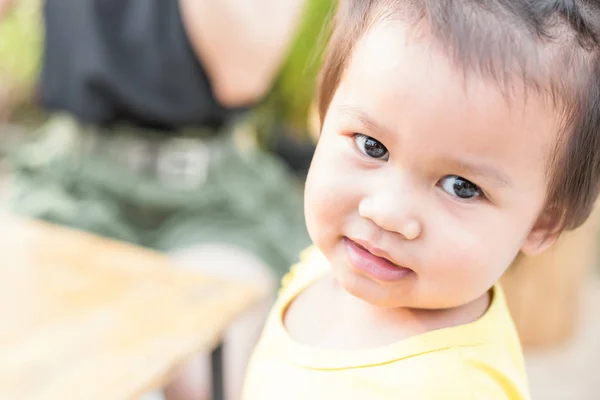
x=312, y=264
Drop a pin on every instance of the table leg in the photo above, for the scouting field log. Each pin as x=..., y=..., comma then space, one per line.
x=218, y=388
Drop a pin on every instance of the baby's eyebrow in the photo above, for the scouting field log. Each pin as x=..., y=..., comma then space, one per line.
x=359, y=114
x=487, y=172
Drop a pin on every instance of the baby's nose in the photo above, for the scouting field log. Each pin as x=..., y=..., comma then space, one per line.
x=392, y=214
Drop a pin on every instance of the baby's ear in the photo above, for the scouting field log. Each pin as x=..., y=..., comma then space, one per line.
x=543, y=234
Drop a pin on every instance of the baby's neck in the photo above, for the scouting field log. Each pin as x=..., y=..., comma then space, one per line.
x=344, y=322
x=382, y=326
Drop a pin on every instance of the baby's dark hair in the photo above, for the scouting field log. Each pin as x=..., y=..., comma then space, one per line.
x=550, y=46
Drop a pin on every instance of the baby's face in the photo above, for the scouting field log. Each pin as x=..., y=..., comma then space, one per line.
x=424, y=187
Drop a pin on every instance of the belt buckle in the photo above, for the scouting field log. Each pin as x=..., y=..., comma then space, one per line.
x=130, y=151
x=182, y=163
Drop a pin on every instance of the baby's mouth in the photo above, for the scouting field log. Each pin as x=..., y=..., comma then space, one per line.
x=375, y=255
x=373, y=262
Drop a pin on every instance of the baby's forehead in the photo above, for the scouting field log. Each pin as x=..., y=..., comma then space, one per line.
x=542, y=75
x=392, y=49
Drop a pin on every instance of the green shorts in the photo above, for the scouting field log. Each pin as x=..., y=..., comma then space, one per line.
x=159, y=191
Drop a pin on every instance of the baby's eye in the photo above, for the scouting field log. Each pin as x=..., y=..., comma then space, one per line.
x=371, y=147
x=460, y=187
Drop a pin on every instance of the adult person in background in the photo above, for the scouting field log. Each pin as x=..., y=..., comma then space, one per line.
x=149, y=142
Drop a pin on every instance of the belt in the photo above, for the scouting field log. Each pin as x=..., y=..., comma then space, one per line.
x=179, y=161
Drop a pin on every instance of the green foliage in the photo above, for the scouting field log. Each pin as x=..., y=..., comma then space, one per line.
x=21, y=39
x=289, y=102
x=297, y=82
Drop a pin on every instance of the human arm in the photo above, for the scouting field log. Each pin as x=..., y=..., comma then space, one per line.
x=241, y=43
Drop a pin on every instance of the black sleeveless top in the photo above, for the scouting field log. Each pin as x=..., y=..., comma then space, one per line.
x=108, y=61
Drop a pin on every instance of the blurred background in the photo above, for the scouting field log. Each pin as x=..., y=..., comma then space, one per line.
x=91, y=70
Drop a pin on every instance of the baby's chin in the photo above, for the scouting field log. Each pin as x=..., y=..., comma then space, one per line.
x=396, y=297
x=367, y=290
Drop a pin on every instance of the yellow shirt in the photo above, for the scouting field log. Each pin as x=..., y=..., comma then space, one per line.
x=480, y=360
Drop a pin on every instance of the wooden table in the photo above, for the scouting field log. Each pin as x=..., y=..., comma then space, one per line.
x=87, y=318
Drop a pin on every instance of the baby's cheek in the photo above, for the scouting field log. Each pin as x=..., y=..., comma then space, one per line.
x=330, y=188
x=464, y=267
x=320, y=208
